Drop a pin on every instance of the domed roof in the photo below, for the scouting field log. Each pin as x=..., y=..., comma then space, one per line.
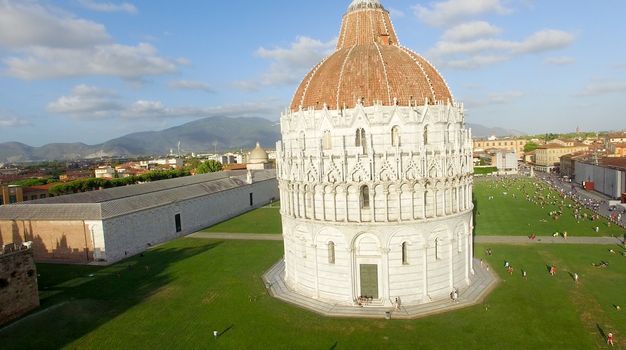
x=369, y=66
x=258, y=155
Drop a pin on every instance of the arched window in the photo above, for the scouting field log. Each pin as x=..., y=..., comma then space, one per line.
x=327, y=141
x=331, y=252
x=395, y=136
x=365, y=197
x=359, y=138
x=425, y=134
x=302, y=141
x=405, y=253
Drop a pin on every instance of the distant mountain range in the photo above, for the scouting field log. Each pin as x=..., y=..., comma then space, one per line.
x=483, y=131
x=198, y=136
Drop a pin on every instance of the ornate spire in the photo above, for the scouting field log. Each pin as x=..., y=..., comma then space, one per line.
x=360, y=4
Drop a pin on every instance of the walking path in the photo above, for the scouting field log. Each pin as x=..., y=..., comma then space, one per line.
x=477, y=239
x=237, y=236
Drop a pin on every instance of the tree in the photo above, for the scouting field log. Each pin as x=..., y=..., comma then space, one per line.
x=210, y=166
x=531, y=146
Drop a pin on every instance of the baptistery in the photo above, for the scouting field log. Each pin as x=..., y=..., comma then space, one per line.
x=375, y=174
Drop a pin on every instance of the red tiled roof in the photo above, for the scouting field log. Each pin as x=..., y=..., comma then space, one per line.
x=370, y=65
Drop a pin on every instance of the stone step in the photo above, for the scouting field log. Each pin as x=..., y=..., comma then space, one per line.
x=481, y=284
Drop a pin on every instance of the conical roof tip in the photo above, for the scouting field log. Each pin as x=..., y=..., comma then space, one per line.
x=360, y=4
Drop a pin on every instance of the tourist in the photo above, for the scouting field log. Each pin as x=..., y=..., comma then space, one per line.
x=506, y=264
x=609, y=339
x=552, y=270
x=565, y=235
x=576, y=277
x=215, y=334
x=525, y=274
x=397, y=304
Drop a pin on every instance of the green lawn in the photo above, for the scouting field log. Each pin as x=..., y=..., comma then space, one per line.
x=262, y=220
x=512, y=214
x=178, y=293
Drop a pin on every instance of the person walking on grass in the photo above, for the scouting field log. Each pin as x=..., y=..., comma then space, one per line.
x=609, y=339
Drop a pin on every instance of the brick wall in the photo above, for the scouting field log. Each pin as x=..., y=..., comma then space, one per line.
x=18, y=285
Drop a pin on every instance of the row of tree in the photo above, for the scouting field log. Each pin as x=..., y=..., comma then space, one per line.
x=91, y=184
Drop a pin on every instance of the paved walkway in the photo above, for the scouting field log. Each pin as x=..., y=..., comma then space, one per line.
x=237, y=236
x=477, y=239
x=546, y=240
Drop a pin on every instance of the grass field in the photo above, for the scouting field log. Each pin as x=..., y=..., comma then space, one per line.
x=509, y=213
x=178, y=293
x=262, y=220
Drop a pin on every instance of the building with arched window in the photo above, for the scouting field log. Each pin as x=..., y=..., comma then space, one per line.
x=383, y=211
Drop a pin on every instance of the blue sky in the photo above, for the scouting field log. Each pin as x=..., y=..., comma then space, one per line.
x=91, y=70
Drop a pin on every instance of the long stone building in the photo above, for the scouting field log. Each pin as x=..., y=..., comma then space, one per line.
x=109, y=225
x=375, y=174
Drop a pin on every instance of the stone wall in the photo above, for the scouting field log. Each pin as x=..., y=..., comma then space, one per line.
x=53, y=241
x=18, y=285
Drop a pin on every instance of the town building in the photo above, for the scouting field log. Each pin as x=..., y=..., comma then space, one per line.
x=153, y=164
x=516, y=145
x=109, y=225
x=617, y=149
x=375, y=174
x=18, y=281
x=618, y=137
x=607, y=175
x=506, y=161
x=10, y=194
x=258, y=159
x=568, y=163
x=105, y=172
x=548, y=156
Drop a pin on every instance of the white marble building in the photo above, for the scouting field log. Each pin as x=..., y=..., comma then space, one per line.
x=375, y=174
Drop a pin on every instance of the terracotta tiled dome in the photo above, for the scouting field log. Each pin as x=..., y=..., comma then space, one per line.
x=370, y=66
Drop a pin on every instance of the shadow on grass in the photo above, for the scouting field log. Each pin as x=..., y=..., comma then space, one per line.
x=334, y=346
x=78, y=299
x=601, y=331
x=226, y=330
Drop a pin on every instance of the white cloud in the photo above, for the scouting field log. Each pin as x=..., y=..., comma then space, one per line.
x=482, y=52
x=604, y=88
x=13, y=122
x=89, y=103
x=475, y=62
x=157, y=110
x=190, y=85
x=27, y=24
x=450, y=12
x=396, y=13
x=494, y=98
x=126, y=62
x=560, y=61
x=108, y=6
x=289, y=65
x=47, y=43
x=470, y=31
